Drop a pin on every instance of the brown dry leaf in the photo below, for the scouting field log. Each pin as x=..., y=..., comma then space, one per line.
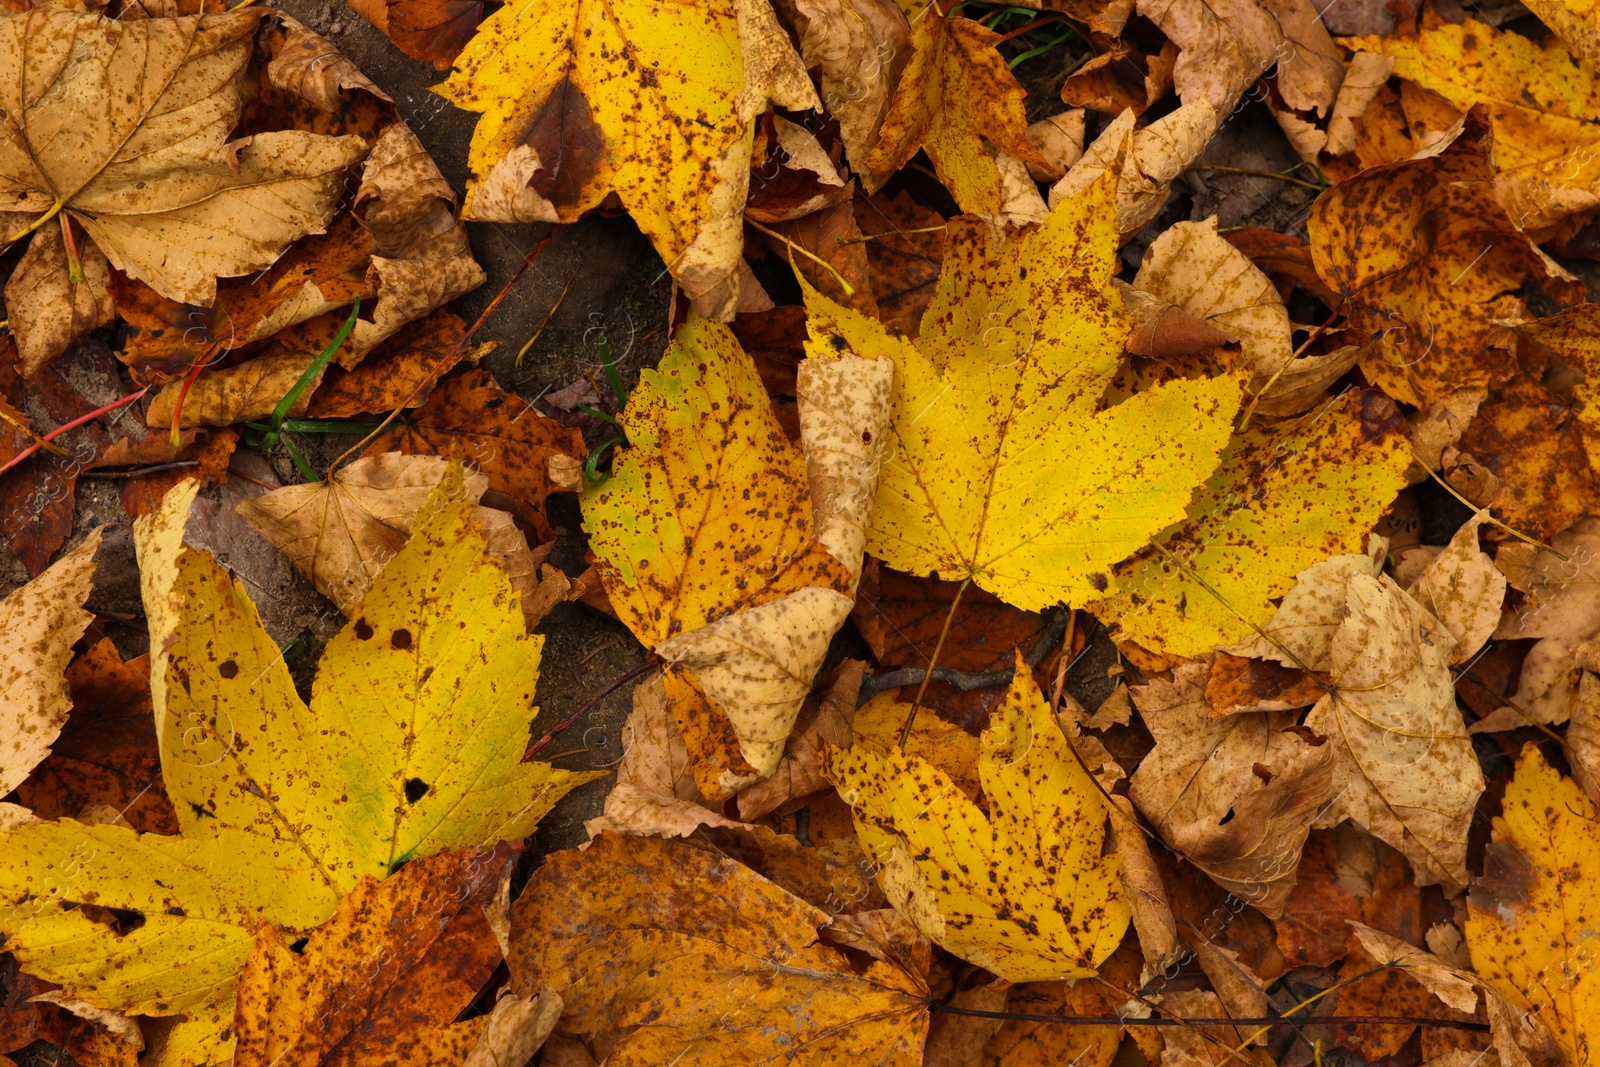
x=799, y=772
x=1427, y=291
x=1462, y=589
x=211, y=453
x=1019, y=1043
x=339, y=533
x=1200, y=1046
x=747, y=570
x=1562, y=587
x=46, y=309
x=430, y=31
x=1363, y=80
x=384, y=978
x=796, y=176
x=169, y=202
x=1060, y=139
x=655, y=792
x=1195, y=269
x=1236, y=796
x=250, y=390
x=1225, y=45
x=1310, y=66
x=1312, y=930
x=1153, y=920
x=1300, y=633
x=1121, y=78
x=726, y=964
x=37, y=498
x=1164, y=331
x=107, y=754
x=831, y=235
x=470, y=418
x=904, y=258
x=1404, y=767
x=403, y=369
x=958, y=1040
x=1152, y=157
x=858, y=48
x=1527, y=438
x=955, y=93
x=901, y=617
x=39, y=624
x=1240, y=685
x=1583, y=735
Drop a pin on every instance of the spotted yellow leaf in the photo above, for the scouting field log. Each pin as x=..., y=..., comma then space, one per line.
x=410, y=745
x=1024, y=890
x=1002, y=466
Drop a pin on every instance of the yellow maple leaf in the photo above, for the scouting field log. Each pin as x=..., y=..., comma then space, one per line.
x=409, y=747
x=1531, y=917
x=955, y=92
x=1002, y=467
x=1023, y=890
x=1543, y=104
x=1281, y=500
x=729, y=551
x=650, y=100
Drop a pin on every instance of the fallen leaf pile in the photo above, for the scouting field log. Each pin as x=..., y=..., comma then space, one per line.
x=1107, y=537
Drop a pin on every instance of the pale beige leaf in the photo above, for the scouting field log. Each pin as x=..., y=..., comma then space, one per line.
x=1154, y=156
x=248, y=390
x=1240, y=989
x=1226, y=45
x=859, y=48
x=1366, y=75
x=1194, y=268
x=1060, y=139
x=1440, y=426
x=39, y=624
x=1583, y=735
x=799, y=772
x=772, y=70
x=1462, y=589
x=655, y=793
x=759, y=664
x=1303, y=384
x=1404, y=769
x=1201, y=790
x=1562, y=587
x=115, y=1022
x=506, y=193
x=1310, y=65
x=46, y=309
x=517, y=1027
x=1544, y=691
x=339, y=533
x=1141, y=878
x=309, y=66
x=1448, y=983
x=1304, y=137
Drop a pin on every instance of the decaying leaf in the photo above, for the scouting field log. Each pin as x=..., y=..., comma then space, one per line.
x=1237, y=797
x=1427, y=292
x=39, y=624
x=1280, y=500
x=433, y=31
x=1151, y=157
x=132, y=145
x=1462, y=589
x=1404, y=768
x=340, y=532
x=247, y=786
x=1011, y=361
x=1224, y=46
x=635, y=932
x=1024, y=890
x=563, y=125
x=748, y=567
x=1529, y=916
x=955, y=92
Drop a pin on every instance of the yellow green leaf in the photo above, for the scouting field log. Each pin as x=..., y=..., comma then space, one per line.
x=1281, y=500
x=1002, y=466
x=1024, y=890
x=410, y=746
x=1531, y=917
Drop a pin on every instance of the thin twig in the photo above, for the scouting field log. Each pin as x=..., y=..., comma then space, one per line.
x=965, y=680
x=73, y=425
x=644, y=668
x=140, y=472
x=1309, y=1020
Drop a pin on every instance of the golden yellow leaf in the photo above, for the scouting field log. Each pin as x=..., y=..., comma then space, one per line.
x=1531, y=917
x=1448, y=260
x=1024, y=890
x=651, y=101
x=408, y=748
x=1281, y=500
x=704, y=961
x=725, y=548
x=132, y=142
x=1574, y=21
x=1543, y=104
x=955, y=93
x=39, y=624
x=1001, y=466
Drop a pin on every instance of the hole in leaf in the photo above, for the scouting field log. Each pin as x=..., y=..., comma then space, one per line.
x=416, y=789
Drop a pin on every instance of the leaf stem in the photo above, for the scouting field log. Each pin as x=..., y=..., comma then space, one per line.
x=1308, y=1020
x=911, y=716
x=1265, y=174
x=55, y=210
x=849, y=290
x=523, y=351
x=73, y=425
x=888, y=233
